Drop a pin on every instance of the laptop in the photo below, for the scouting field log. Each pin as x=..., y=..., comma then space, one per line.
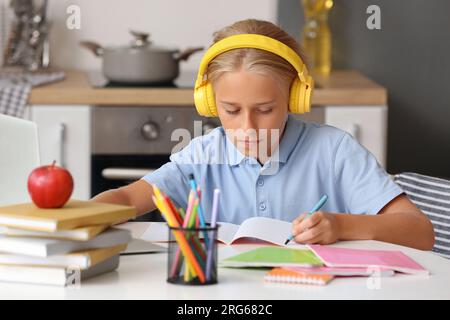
x=19, y=155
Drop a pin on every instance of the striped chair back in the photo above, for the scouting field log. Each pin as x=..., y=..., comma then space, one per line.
x=432, y=196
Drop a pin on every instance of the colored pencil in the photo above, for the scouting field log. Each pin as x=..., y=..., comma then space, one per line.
x=201, y=219
x=187, y=217
x=210, y=253
x=182, y=241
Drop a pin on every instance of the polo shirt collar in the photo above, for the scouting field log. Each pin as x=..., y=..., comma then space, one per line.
x=233, y=155
x=289, y=140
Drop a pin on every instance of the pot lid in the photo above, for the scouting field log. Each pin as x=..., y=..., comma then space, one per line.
x=141, y=42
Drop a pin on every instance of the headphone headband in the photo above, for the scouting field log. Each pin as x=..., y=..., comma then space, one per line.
x=255, y=41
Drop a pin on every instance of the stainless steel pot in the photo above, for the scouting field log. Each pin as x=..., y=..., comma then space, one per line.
x=141, y=62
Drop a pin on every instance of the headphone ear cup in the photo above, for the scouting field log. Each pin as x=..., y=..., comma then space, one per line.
x=300, y=95
x=309, y=86
x=294, y=96
x=204, y=100
x=199, y=100
x=210, y=100
x=302, y=108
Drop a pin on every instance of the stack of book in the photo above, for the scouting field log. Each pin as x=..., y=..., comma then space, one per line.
x=61, y=246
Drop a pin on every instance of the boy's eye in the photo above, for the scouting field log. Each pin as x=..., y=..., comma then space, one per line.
x=232, y=111
x=265, y=111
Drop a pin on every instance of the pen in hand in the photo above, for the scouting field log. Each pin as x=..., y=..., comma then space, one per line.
x=310, y=213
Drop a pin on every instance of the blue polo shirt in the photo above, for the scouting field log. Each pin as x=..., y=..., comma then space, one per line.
x=312, y=160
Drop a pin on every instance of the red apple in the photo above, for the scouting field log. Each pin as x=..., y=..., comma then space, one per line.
x=50, y=186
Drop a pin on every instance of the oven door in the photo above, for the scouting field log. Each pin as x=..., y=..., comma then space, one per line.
x=130, y=141
x=114, y=171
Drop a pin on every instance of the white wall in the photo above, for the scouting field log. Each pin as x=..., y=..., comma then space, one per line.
x=174, y=23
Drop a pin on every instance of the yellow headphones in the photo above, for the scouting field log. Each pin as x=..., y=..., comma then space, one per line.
x=301, y=88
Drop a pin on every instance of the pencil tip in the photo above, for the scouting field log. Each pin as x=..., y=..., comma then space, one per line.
x=286, y=242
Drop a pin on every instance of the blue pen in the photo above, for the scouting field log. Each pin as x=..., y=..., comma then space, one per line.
x=200, y=211
x=316, y=207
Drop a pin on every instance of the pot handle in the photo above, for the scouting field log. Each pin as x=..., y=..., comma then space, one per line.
x=184, y=55
x=94, y=47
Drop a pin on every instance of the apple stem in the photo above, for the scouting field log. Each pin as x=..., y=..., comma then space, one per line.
x=53, y=163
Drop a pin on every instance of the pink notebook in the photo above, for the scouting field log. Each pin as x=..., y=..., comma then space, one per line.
x=342, y=257
x=344, y=272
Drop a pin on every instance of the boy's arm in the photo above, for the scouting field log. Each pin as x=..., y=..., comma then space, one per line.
x=137, y=194
x=399, y=222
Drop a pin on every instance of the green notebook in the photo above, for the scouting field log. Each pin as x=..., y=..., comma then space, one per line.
x=273, y=257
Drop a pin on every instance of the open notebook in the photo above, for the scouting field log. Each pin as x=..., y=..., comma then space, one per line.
x=266, y=229
x=260, y=228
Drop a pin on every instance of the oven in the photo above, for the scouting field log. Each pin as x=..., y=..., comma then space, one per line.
x=129, y=142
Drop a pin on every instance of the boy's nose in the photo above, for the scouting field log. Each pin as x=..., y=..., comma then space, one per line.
x=248, y=123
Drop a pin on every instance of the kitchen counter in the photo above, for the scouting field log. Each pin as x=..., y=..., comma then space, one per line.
x=342, y=87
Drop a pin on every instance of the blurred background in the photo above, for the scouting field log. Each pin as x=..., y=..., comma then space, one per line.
x=409, y=56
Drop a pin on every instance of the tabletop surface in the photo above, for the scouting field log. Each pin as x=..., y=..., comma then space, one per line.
x=144, y=277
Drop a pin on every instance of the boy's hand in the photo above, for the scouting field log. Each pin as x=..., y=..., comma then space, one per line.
x=320, y=227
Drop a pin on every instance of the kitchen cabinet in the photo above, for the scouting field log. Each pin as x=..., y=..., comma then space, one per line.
x=367, y=124
x=65, y=136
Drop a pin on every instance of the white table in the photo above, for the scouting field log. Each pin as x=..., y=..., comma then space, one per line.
x=144, y=277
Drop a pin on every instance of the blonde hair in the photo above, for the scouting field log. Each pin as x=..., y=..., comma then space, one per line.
x=255, y=60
